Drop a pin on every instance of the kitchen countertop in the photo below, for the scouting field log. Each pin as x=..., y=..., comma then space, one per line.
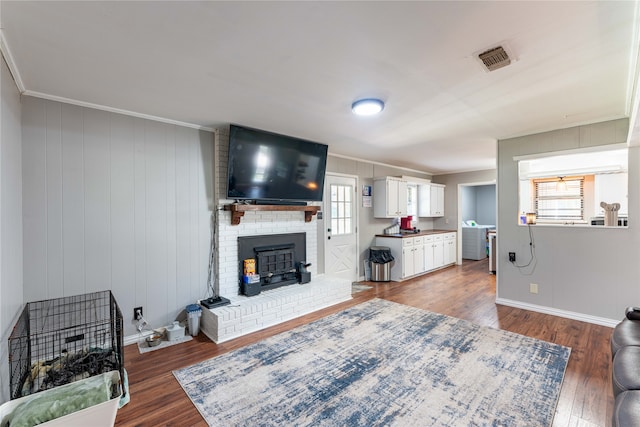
x=420, y=233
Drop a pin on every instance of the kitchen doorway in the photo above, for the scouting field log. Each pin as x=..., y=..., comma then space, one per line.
x=483, y=213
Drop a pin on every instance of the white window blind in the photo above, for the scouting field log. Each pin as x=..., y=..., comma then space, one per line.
x=554, y=203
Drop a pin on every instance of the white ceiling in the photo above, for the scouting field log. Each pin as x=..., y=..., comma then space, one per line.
x=296, y=67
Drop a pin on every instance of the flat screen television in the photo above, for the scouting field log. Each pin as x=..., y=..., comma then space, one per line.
x=272, y=168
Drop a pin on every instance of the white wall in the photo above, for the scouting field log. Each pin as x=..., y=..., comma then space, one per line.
x=115, y=202
x=10, y=218
x=584, y=272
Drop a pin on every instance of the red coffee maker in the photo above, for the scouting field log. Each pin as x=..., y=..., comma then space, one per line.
x=406, y=223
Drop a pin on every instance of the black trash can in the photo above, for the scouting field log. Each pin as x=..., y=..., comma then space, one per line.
x=380, y=258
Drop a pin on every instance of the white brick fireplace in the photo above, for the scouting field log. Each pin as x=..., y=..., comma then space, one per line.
x=254, y=224
x=249, y=314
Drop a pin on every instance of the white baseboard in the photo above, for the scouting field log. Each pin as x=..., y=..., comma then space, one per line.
x=560, y=313
x=133, y=339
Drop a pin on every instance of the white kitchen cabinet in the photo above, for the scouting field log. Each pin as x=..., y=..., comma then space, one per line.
x=428, y=251
x=439, y=250
x=450, y=248
x=419, y=254
x=430, y=200
x=437, y=200
x=389, y=197
x=412, y=256
x=408, y=253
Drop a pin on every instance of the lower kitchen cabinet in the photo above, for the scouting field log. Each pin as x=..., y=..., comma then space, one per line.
x=438, y=251
x=408, y=253
x=412, y=256
x=450, y=248
x=419, y=254
x=429, y=250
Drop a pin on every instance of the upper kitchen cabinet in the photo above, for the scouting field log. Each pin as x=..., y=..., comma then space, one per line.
x=437, y=200
x=431, y=200
x=389, y=197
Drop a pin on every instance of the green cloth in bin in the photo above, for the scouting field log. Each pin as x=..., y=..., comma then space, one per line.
x=58, y=402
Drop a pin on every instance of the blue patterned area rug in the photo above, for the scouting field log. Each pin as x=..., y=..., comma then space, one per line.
x=381, y=363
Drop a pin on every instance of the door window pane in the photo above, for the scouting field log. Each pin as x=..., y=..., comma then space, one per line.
x=341, y=209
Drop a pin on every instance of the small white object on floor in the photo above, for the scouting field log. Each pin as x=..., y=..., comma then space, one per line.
x=175, y=331
x=144, y=348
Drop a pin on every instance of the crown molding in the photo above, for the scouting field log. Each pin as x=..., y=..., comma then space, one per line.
x=8, y=57
x=115, y=110
x=373, y=162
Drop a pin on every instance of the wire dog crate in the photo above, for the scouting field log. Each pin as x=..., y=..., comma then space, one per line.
x=62, y=340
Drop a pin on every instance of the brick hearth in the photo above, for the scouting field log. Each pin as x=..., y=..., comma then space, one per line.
x=249, y=314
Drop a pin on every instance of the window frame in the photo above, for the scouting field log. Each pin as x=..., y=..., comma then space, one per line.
x=594, y=163
x=559, y=197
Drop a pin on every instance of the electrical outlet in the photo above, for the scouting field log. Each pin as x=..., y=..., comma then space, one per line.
x=533, y=288
x=137, y=313
x=512, y=257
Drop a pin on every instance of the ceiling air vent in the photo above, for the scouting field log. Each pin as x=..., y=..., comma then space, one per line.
x=495, y=58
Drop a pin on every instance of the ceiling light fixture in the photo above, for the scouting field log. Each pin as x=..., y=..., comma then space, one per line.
x=561, y=185
x=367, y=107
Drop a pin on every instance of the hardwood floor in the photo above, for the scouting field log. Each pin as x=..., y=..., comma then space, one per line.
x=466, y=292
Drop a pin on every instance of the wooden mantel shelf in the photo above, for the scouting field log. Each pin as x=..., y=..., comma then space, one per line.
x=238, y=210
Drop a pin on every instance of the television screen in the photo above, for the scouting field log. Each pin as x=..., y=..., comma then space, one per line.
x=265, y=166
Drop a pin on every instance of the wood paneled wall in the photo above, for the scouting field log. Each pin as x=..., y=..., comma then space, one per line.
x=115, y=202
x=10, y=218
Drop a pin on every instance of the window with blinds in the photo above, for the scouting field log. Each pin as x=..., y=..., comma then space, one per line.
x=559, y=200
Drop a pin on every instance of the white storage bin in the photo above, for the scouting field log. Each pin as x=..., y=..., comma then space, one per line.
x=175, y=331
x=100, y=415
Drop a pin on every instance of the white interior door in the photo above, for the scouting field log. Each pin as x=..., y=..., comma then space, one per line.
x=341, y=237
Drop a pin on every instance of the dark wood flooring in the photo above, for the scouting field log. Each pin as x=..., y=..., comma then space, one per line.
x=466, y=292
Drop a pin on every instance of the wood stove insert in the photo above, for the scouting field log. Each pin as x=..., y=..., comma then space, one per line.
x=278, y=258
